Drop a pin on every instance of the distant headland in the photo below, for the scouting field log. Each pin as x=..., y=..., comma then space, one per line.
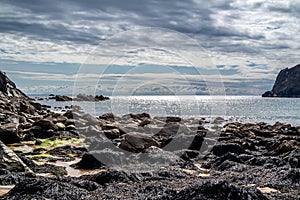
x=287, y=84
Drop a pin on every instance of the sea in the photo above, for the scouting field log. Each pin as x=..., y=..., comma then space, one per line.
x=243, y=109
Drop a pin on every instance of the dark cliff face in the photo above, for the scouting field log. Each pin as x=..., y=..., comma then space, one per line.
x=8, y=88
x=287, y=84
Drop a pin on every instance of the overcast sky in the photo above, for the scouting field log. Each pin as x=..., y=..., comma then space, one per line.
x=200, y=46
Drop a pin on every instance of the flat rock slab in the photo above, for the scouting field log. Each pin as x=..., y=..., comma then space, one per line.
x=10, y=161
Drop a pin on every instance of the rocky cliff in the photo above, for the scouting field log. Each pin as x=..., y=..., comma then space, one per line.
x=8, y=88
x=287, y=84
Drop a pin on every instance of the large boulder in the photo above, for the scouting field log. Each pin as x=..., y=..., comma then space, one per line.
x=9, y=133
x=287, y=83
x=45, y=124
x=137, y=142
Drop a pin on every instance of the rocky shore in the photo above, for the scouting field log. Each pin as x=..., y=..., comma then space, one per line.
x=46, y=155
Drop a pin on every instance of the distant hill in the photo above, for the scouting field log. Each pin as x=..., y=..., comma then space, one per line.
x=8, y=88
x=287, y=84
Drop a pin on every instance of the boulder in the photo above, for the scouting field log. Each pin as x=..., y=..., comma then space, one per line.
x=108, y=117
x=45, y=124
x=9, y=133
x=222, y=149
x=88, y=161
x=137, y=142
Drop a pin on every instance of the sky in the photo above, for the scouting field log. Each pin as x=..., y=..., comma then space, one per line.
x=136, y=47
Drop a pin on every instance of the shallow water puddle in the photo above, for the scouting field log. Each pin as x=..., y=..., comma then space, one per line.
x=75, y=172
x=70, y=170
x=5, y=189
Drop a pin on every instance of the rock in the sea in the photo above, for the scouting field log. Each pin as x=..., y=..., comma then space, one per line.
x=287, y=84
x=84, y=97
x=62, y=98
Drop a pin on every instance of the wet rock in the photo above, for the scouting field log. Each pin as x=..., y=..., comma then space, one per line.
x=89, y=118
x=62, y=98
x=69, y=114
x=283, y=147
x=46, y=106
x=36, y=105
x=145, y=122
x=108, y=117
x=45, y=124
x=84, y=97
x=221, y=149
x=9, y=133
x=168, y=119
x=139, y=117
x=97, y=159
x=112, y=134
x=109, y=126
x=88, y=161
x=137, y=142
x=26, y=107
x=170, y=129
x=101, y=98
x=59, y=118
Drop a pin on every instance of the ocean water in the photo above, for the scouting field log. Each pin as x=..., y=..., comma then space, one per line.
x=232, y=108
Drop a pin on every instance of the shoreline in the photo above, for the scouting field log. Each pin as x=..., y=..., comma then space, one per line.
x=202, y=159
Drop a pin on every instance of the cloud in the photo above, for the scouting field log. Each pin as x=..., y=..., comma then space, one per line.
x=228, y=33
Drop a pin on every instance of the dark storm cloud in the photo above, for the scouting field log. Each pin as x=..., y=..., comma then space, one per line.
x=63, y=20
x=53, y=32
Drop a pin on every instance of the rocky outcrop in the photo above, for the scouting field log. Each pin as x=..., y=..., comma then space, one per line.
x=287, y=84
x=8, y=88
x=80, y=97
